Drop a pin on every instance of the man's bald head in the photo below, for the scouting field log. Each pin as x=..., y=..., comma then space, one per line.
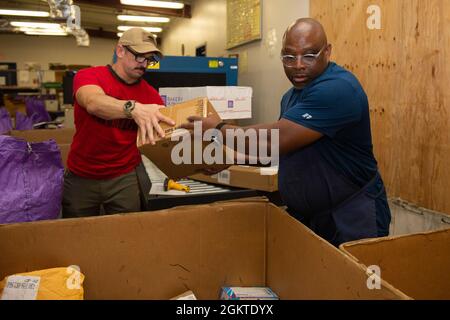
x=305, y=50
x=307, y=28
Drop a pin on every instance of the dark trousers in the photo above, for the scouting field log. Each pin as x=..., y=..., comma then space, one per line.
x=84, y=197
x=328, y=203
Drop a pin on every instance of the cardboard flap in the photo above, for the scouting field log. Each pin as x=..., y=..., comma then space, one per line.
x=161, y=155
x=302, y=265
x=416, y=264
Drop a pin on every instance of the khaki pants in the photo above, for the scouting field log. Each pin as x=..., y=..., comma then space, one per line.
x=90, y=197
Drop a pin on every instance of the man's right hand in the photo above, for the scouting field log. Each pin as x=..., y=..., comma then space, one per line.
x=147, y=117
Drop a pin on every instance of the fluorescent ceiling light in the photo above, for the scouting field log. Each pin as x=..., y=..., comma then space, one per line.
x=143, y=18
x=25, y=13
x=24, y=29
x=42, y=25
x=149, y=29
x=156, y=4
x=41, y=31
x=45, y=33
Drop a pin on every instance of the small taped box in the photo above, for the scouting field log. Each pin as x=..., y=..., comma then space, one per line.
x=257, y=178
x=247, y=293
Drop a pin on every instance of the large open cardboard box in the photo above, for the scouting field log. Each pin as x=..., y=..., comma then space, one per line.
x=416, y=264
x=160, y=254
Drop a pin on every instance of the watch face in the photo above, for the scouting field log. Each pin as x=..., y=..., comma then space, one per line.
x=128, y=108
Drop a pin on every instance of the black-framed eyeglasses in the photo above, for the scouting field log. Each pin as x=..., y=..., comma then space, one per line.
x=151, y=60
x=307, y=59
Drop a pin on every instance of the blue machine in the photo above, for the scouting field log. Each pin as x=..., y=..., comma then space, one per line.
x=180, y=71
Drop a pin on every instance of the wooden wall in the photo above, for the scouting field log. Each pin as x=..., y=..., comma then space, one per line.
x=405, y=70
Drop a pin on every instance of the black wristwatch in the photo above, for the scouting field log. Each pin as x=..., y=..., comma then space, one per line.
x=128, y=107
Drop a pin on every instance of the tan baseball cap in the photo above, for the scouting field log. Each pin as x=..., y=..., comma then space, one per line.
x=139, y=40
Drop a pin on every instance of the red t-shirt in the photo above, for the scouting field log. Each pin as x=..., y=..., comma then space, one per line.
x=104, y=149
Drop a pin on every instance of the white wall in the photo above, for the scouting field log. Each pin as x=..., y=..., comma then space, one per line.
x=207, y=25
x=260, y=66
x=45, y=49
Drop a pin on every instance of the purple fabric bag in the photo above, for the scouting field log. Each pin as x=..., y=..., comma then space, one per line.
x=5, y=121
x=31, y=180
x=23, y=122
x=36, y=110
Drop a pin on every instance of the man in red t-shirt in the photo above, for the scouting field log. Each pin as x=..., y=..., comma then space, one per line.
x=111, y=103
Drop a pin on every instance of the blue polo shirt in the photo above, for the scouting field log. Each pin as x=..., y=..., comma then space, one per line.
x=322, y=175
x=336, y=105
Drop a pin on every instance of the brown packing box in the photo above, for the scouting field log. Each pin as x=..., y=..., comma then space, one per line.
x=13, y=105
x=416, y=264
x=160, y=154
x=157, y=255
x=77, y=66
x=200, y=107
x=242, y=177
x=63, y=138
x=59, y=75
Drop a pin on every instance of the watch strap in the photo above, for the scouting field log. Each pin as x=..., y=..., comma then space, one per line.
x=220, y=125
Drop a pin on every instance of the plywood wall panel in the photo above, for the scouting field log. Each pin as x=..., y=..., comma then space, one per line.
x=405, y=70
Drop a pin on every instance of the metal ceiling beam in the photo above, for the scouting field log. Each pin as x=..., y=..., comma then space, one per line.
x=182, y=13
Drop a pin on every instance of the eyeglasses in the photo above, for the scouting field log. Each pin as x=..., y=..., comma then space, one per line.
x=151, y=60
x=307, y=59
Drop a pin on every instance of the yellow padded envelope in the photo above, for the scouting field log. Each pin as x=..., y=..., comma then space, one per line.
x=48, y=284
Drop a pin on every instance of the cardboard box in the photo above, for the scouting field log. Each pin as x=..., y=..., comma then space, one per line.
x=14, y=105
x=61, y=136
x=161, y=153
x=158, y=254
x=417, y=264
x=257, y=178
x=52, y=105
x=180, y=113
x=59, y=75
x=230, y=102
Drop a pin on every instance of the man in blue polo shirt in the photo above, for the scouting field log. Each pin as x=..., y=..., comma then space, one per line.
x=328, y=175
